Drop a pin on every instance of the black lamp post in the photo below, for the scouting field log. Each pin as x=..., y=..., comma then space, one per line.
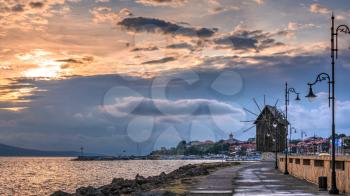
x=287, y=93
x=331, y=80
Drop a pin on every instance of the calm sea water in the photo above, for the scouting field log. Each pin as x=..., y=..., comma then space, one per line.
x=42, y=176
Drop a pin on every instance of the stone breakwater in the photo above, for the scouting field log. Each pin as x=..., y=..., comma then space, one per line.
x=140, y=185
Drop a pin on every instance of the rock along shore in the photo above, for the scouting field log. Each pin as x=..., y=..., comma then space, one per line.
x=141, y=185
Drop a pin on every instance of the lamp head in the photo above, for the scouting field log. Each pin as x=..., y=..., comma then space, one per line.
x=274, y=124
x=311, y=96
x=298, y=98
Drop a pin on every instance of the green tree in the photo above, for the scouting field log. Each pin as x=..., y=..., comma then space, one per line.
x=181, y=147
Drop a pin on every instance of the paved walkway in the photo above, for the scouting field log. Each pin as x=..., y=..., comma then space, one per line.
x=218, y=182
x=262, y=179
x=259, y=178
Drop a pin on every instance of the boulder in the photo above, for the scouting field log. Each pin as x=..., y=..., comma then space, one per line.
x=117, y=180
x=140, y=179
x=140, y=184
x=88, y=191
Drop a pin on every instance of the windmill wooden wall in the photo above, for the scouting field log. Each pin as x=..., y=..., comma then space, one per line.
x=265, y=132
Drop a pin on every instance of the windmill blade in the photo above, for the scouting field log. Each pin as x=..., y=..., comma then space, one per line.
x=252, y=120
x=262, y=114
x=276, y=102
x=247, y=121
x=264, y=100
x=237, y=133
x=250, y=111
x=245, y=130
x=256, y=103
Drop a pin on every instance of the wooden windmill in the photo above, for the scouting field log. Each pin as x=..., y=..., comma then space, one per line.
x=266, y=135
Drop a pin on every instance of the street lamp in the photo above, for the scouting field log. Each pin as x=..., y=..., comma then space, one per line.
x=274, y=124
x=287, y=93
x=323, y=76
x=311, y=96
x=320, y=77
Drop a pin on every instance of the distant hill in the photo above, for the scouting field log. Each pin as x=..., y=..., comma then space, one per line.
x=6, y=150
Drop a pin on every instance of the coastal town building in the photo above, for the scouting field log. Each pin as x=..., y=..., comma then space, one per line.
x=317, y=145
x=237, y=147
x=311, y=145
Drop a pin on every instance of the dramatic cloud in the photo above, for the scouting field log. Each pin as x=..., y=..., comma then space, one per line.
x=164, y=3
x=220, y=8
x=152, y=25
x=36, y=4
x=104, y=14
x=77, y=102
x=18, y=8
x=150, y=48
x=293, y=26
x=180, y=46
x=72, y=61
x=246, y=40
x=30, y=15
x=160, y=61
x=183, y=107
x=318, y=9
x=125, y=12
x=17, y=94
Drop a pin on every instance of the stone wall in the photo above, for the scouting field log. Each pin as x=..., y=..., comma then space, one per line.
x=311, y=167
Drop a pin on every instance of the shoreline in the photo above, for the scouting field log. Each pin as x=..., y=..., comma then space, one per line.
x=169, y=157
x=156, y=185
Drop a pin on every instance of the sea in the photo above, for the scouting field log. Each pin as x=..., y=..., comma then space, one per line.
x=45, y=175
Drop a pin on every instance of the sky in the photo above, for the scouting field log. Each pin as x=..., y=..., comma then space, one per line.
x=131, y=76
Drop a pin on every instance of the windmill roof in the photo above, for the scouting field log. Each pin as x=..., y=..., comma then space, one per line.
x=274, y=112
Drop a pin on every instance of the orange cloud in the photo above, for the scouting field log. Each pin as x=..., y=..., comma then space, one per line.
x=30, y=15
x=104, y=14
x=318, y=9
x=164, y=3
